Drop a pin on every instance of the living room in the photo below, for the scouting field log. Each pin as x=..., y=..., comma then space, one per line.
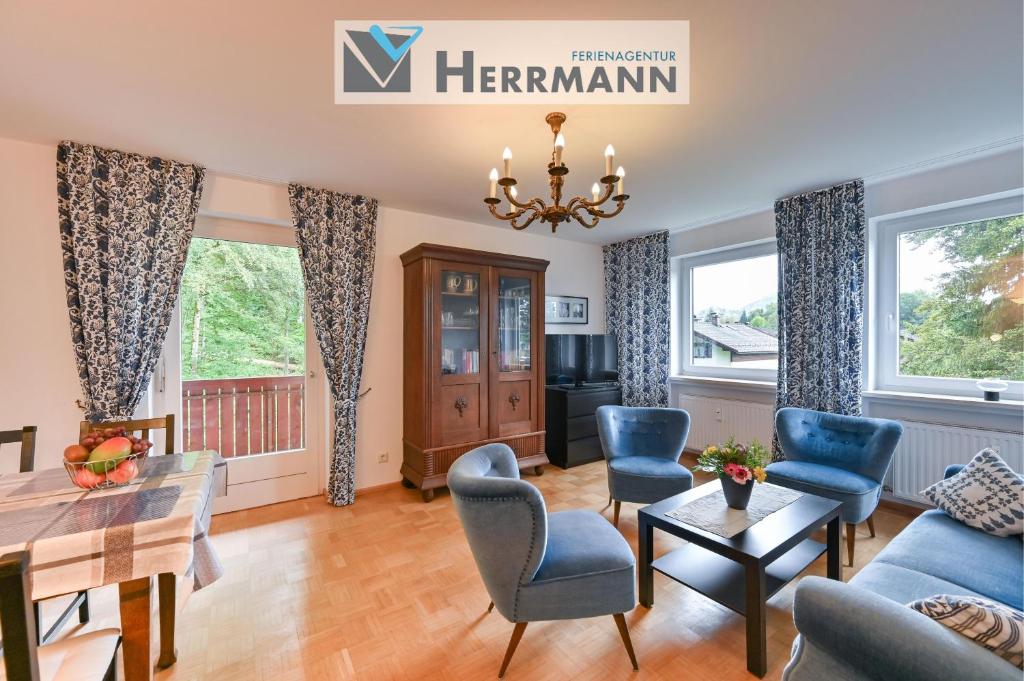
x=305, y=384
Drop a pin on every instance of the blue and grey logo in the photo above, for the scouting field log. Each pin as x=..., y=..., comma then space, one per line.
x=379, y=61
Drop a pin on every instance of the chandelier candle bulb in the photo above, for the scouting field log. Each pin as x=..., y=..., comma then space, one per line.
x=609, y=159
x=493, y=177
x=596, y=191
x=621, y=188
x=559, y=146
x=507, y=158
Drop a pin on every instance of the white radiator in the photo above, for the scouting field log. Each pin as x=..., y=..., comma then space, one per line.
x=713, y=421
x=926, y=449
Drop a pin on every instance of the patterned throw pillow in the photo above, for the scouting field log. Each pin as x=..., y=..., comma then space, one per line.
x=995, y=626
x=986, y=495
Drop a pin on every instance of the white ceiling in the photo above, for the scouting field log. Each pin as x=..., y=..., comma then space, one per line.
x=785, y=96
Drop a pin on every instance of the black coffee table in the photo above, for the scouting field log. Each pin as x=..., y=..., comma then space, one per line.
x=743, y=572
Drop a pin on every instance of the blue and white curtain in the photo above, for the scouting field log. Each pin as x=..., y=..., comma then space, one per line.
x=821, y=242
x=126, y=221
x=337, y=237
x=636, y=292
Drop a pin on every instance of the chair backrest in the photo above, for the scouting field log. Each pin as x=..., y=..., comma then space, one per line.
x=165, y=423
x=17, y=619
x=854, y=443
x=27, y=437
x=642, y=431
x=504, y=518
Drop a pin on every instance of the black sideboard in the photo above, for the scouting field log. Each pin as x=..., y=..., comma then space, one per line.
x=571, y=425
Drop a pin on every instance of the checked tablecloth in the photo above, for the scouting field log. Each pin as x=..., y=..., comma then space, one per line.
x=80, y=539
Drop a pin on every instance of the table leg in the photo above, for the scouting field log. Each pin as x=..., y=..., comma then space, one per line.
x=757, y=640
x=835, y=563
x=136, y=632
x=644, y=571
x=168, y=653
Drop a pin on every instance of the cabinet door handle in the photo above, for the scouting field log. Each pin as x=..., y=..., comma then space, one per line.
x=461, y=404
x=514, y=399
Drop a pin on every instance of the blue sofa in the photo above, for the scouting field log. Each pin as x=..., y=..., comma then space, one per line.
x=864, y=631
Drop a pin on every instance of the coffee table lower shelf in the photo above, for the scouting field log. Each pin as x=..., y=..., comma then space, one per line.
x=724, y=580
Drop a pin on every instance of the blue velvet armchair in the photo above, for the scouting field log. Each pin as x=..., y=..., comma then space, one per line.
x=839, y=457
x=536, y=565
x=642, y=446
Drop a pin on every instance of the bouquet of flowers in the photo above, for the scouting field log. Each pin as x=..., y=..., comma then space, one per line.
x=741, y=463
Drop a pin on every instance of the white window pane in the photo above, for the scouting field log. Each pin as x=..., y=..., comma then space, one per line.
x=735, y=314
x=961, y=300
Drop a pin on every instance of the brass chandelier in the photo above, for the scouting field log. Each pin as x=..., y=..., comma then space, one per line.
x=584, y=211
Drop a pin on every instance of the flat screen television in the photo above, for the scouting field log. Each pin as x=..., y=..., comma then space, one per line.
x=575, y=359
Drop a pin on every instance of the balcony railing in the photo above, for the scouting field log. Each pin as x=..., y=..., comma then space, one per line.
x=243, y=416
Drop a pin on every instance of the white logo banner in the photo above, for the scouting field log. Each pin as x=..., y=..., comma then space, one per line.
x=511, y=62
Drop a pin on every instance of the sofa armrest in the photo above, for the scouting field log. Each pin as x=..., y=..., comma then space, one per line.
x=882, y=639
x=952, y=470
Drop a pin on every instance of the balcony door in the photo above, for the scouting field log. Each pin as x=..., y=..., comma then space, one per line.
x=242, y=367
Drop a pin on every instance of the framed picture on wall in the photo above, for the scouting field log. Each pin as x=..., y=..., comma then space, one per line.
x=566, y=310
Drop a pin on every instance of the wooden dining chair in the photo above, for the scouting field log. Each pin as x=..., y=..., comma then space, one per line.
x=27, y=437
x=88, y=657
x=165, y=423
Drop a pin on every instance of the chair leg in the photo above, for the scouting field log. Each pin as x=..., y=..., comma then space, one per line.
x=851, y=537
x=490, y=607
x=517, y=634
x=39, y=622
x=111, y=674
x=871, y=525
x=615, y=520
x=620, y=622
x=83, y=609
x=609, y=502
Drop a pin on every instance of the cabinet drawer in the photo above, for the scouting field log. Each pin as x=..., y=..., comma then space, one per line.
x=587, y=402
x=583, y=451
x=580, y=427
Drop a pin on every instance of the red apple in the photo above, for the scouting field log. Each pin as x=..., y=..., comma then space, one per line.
x=86, y=479
x=76, y=453
x=125, y=472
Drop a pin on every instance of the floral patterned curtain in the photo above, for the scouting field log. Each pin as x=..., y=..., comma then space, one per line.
x=337, y=236
x=821, y=242
x=125, y=225
x=636, y=292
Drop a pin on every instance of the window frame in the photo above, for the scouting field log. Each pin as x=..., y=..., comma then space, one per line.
x=683, y=340
x=882, y=318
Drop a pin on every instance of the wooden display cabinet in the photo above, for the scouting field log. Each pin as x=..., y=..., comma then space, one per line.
x=473, y=365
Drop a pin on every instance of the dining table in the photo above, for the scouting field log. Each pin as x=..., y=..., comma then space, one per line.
x=144, y=536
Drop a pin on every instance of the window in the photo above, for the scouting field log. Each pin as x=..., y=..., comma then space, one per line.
x=729, y=313
x=949, y=297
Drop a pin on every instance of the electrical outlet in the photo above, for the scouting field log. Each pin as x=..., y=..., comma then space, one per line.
x=382, y=457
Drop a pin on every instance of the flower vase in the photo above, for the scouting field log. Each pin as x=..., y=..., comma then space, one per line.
x=736, y=495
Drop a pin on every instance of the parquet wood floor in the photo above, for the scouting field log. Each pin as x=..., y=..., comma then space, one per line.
x=386, y=590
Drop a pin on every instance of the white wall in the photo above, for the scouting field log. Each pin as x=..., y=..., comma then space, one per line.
x=970, y=178
x=38, y=381
x=952, y=182
x=38, y=378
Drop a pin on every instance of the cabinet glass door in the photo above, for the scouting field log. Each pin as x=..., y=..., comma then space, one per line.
x=460, y=322
x=514, y=341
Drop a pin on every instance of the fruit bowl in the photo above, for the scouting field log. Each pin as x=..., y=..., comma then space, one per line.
x=107, y=457
x=103, y=474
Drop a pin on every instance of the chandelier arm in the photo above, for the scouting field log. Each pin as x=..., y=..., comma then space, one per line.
x=579, y=218
x=507, y=216
x=535, y=201
x=533, y=216
x=601, y=214
x=605, y=195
